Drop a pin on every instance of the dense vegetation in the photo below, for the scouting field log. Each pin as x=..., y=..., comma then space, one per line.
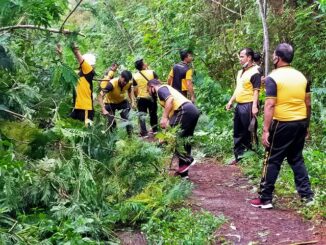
x=61, y=182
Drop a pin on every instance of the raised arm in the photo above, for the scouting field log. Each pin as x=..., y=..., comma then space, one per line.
x=77, y=53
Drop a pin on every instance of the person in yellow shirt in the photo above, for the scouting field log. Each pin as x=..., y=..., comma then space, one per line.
x=83, y=93
x=246, y=96
x=180, y=76
x=110, y=72
x=178, y=111
x=114, y=96
x=145, y=102
x=286, y=121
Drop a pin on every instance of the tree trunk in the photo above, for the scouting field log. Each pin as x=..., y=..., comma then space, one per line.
x=263, y=14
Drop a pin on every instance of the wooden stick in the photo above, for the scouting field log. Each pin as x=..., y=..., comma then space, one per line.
x=8, y=28
x=13, y=113
x=72, y=11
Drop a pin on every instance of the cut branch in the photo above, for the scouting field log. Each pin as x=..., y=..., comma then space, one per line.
x=32, y=27
x=72, y=11
x=226, y=8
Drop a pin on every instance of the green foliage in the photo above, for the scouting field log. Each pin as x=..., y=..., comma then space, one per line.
x=172, y=229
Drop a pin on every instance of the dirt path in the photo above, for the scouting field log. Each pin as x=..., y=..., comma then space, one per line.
x=224, y=190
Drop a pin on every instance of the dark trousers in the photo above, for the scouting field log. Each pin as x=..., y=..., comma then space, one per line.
x=82, y=115
x=147, y=105
x=186, y=117
x=124, y=107
x=286, y=141
x=242, y=137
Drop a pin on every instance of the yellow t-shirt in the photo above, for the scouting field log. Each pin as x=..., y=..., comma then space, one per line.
x=244, y=91
x=141, y=82
x=117, y=94
x=165, y=91
x=184, y=85
x=84, y=88
x=289, y=87
x=106, y=79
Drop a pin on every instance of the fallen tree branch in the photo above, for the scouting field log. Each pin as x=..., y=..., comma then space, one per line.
x=72, y=11
x=65, y=32
x=13, y=113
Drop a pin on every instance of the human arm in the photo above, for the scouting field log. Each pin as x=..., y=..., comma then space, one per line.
x=308, y=106
x=77, y=53
x=166, y=112
x=229, y=104
x=256, y=82
x=270, y=102
x=170, y=78
x=105, y=88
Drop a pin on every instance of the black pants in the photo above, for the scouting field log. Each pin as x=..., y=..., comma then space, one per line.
x=286, y=141
x=82, y=115
x=242, y=137
x=124, y=107
x=187, y=117
x=147, y=105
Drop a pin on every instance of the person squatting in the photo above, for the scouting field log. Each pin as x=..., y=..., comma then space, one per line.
x=287, y=110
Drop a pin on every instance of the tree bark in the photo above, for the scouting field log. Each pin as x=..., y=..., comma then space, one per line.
x=263, y=14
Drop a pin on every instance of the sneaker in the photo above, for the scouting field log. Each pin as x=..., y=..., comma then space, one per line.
x=143, y=135
x=233, y=162
x=308, y=201
x=258, y=203
x=184, y=168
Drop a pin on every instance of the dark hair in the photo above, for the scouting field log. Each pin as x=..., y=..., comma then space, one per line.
x=285, y=52
x=249, y=52
x=126, y=75
x=154, y=82
x=114, y=64
x=257, y=57
x=184, y=54
x=139, y=64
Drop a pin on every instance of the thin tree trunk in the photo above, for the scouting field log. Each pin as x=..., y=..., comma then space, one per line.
x=263, y=14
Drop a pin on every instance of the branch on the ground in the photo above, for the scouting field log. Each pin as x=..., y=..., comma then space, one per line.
x=226, y=8
x=13, y=113
x=72, y=11
x=64, y=31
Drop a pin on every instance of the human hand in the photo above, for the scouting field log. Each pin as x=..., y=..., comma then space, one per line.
x=164, y=122
x=254, y=111
x=74, y=46
x=228, y=106
x=105, y=112
x=264, y=138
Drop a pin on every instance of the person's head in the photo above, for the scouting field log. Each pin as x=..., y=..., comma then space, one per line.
x=90, y=59
x=140, y=65
x=125, y=77
x=283, y=54
x=186, y=56
x=114, y=66
x=153, y=85
x=246, y=56
x=257, y=58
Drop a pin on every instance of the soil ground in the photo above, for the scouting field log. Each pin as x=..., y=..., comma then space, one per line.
x=224, y=190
